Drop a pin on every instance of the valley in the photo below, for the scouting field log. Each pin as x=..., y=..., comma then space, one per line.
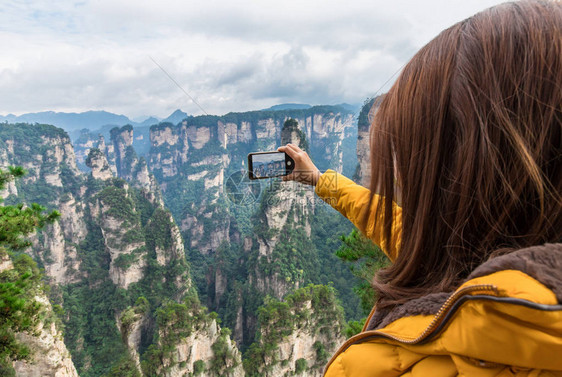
x=154, y=271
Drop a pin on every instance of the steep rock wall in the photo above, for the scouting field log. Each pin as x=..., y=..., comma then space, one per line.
x=122, y=235
x=285, y=209
x=366, y=116
x=115, y=243
x=190, y=342
x=297, y=335
x=52, y=180
x=125, y=155
x=50, y=357
x=199, y=154
x=48, y=353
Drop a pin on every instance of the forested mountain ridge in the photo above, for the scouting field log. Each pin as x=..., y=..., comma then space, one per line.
x=115, y=259
x=191, y=161
x=132, y=303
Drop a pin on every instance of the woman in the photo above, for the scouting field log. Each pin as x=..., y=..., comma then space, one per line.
x=470, y=139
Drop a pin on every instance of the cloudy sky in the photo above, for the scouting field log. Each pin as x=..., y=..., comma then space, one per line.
x=228, y=55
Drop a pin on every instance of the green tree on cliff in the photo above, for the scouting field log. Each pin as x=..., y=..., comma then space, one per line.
x=364, y=259
x=19, y=311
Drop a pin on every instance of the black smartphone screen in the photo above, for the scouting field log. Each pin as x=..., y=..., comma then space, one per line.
x=269, y=164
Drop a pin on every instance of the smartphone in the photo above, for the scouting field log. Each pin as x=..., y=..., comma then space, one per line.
x=263, y=165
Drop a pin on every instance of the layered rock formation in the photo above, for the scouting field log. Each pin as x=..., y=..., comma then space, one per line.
x=97, y=161
x=50, y=357
x=122, y=234
x=119, y=259
x=48, y=353
x=132, y=168
x=193, y=159
x=197, y=155
x=54, y=180
x=190, y=342
x=286, y=209
x=297, y=335
x=125, y=155
x=91, y=139
x=366, y=116
x=115, y=242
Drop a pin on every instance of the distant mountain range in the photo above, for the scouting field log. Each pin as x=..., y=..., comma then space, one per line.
x=288, y=106
x=303, y=106
x=103, y=120
x=89, y=119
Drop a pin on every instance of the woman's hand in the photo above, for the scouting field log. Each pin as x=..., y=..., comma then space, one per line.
x=304, y=170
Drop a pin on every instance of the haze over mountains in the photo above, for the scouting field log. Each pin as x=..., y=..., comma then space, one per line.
x=88, y=119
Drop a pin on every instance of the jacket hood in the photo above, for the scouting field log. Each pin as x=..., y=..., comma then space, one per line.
x=508, y=312
x=505, y=318
x=543, y=263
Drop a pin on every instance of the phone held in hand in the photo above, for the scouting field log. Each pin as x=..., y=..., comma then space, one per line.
x=263, y=165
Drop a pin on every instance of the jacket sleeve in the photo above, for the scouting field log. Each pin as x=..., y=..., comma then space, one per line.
x=352, y=200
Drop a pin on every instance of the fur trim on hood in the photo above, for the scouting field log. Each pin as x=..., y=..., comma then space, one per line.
x=543, y=263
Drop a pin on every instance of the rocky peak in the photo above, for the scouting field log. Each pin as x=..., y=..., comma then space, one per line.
x=101, y=144
x=52, y=180
x=44, y=151
x=291, y=133
x=50, y=357
x=131, y=324
x=122, y=235
x=194, y=344
x=286, y=208
x=97, y=161
x=109, y=152
x=131, y=168
x=366, y=116
x=125, y=155
x=164, y=239
x=145, y=181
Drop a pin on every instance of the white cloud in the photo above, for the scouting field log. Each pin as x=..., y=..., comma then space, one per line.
x=231, y=56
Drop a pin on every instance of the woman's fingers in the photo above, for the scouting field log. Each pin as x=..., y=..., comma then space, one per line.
x=304, y=170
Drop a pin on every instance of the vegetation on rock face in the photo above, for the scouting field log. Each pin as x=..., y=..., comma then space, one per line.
x=363, y=122
x=94, y=153
x=364, y=259
x=19, y=311
x=125, y=367
x=34, y=146
x=91, y=305
x=292, y=126
x=163, y=304
x=176, y=322
x=313, y=310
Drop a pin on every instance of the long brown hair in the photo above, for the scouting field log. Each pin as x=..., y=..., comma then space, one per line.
x=473, y=130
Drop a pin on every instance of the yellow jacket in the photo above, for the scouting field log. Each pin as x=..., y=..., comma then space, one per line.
x=505, y=320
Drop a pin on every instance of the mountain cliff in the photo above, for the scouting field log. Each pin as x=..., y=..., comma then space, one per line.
x=44, y=352
x=366, y=116
x=53, y=180
x=282, y=232
x=115, y=248
x=144, y=246
x=191, y=161
x=297, y=335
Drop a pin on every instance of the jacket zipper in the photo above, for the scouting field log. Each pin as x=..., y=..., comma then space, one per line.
x=437, y=320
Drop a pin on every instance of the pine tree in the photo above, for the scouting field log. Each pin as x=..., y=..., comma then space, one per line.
x=19, y=311
x=364, y=259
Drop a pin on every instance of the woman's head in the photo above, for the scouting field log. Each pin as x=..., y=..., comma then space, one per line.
x=473, y=130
